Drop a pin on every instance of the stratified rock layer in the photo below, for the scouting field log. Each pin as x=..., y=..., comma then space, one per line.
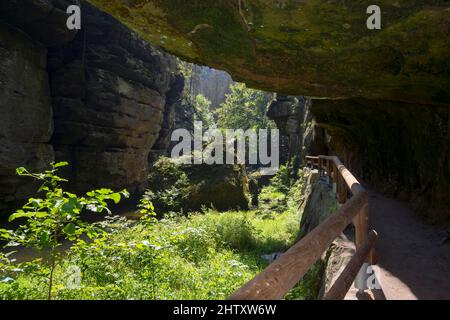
x=109, y=93
x=26, y=124
x=95, y=98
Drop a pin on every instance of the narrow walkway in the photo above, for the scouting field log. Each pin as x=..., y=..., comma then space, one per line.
x=413, y=262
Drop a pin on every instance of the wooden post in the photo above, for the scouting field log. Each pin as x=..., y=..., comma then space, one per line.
x=345, y=279
x=328, y=171
x=342, y=190
x=320, y=167
x=361, y=222
x=335, y=178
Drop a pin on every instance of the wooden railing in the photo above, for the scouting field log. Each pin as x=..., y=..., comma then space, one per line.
x=283, y=274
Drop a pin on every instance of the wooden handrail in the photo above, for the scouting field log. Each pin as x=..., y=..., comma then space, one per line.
x=275, y=281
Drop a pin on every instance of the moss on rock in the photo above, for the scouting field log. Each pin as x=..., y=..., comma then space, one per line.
x=314, y=48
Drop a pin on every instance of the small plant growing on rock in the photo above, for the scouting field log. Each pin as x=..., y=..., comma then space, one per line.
x=55, y=218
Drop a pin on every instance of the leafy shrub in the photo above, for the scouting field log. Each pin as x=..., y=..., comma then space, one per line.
x=168, y=186
x=52, y=219
x=275, y=196
x=205, y=255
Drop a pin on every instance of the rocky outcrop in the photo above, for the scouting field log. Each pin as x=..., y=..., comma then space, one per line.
x=109, y=95
x=211, y=83
x=223, y=187
x=176, y=187
x=324, y=49
x=176, y=115
x=312, y=48
x=96, y=98
x=300, y=136
x=26, y=116
x=44, y=21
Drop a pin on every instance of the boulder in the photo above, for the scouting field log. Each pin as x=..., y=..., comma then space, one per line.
x=224, y=187
x=189, y=187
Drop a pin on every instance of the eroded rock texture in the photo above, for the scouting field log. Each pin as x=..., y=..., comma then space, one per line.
x=26, y=117
x=300, y=136
x=26, y=124
x=109, y=93
x=95, y=98
x=314, y=48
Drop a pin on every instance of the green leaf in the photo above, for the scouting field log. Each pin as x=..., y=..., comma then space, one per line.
x=60, y=164
x=116, y=197
x=72, y=205
x=125, y=193
x=70, y=229
x=19, y=214
x=5, y=234
x=44, y=239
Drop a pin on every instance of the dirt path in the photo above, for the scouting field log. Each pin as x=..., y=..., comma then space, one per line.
x=413, y=262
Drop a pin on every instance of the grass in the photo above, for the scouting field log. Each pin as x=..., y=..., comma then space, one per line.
x=203, y=256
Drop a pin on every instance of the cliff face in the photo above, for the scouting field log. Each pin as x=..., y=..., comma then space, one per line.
x=401, y=149
x=26, y=124
x=95, y=98
x=26, y=115
x=297, y=126
x=109, y=95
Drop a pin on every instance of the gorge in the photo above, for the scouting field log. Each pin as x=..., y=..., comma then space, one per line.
x=113, y=97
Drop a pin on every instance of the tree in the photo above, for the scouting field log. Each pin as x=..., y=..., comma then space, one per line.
x=244, y=108
x=203, y=112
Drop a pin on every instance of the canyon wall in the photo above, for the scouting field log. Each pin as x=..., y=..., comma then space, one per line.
x=95, y=98
x=402, y=150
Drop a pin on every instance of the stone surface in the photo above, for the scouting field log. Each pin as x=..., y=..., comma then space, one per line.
x=97, y=97
x=43, y=20
x=26, y=124
x=403, y=153
x=300, y=136
x=312, y=48
x=109, y=96
x=211, y=83
x=224, y=187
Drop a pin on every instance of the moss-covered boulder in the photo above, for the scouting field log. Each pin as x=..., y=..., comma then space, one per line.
x=180, y=187
x=314, y=48
x=222, y=186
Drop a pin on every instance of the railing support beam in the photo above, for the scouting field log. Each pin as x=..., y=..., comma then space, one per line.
x=343, y=283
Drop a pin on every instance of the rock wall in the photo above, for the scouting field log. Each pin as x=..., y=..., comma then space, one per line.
x=211, y=83
x=300, y=136
x=109, y=95
x=96, y=98
x=403, y=153
x=26, y=116
x=26, y=124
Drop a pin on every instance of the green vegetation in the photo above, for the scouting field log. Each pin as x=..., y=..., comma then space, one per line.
x=204, y=255
x=51, y=220
x=244, y=109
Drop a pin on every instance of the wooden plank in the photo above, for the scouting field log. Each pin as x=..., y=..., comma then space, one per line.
x=328, y=171
x=280, y=276
x=344, y=282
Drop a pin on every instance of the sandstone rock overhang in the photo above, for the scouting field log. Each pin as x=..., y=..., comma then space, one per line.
x=306, y=47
